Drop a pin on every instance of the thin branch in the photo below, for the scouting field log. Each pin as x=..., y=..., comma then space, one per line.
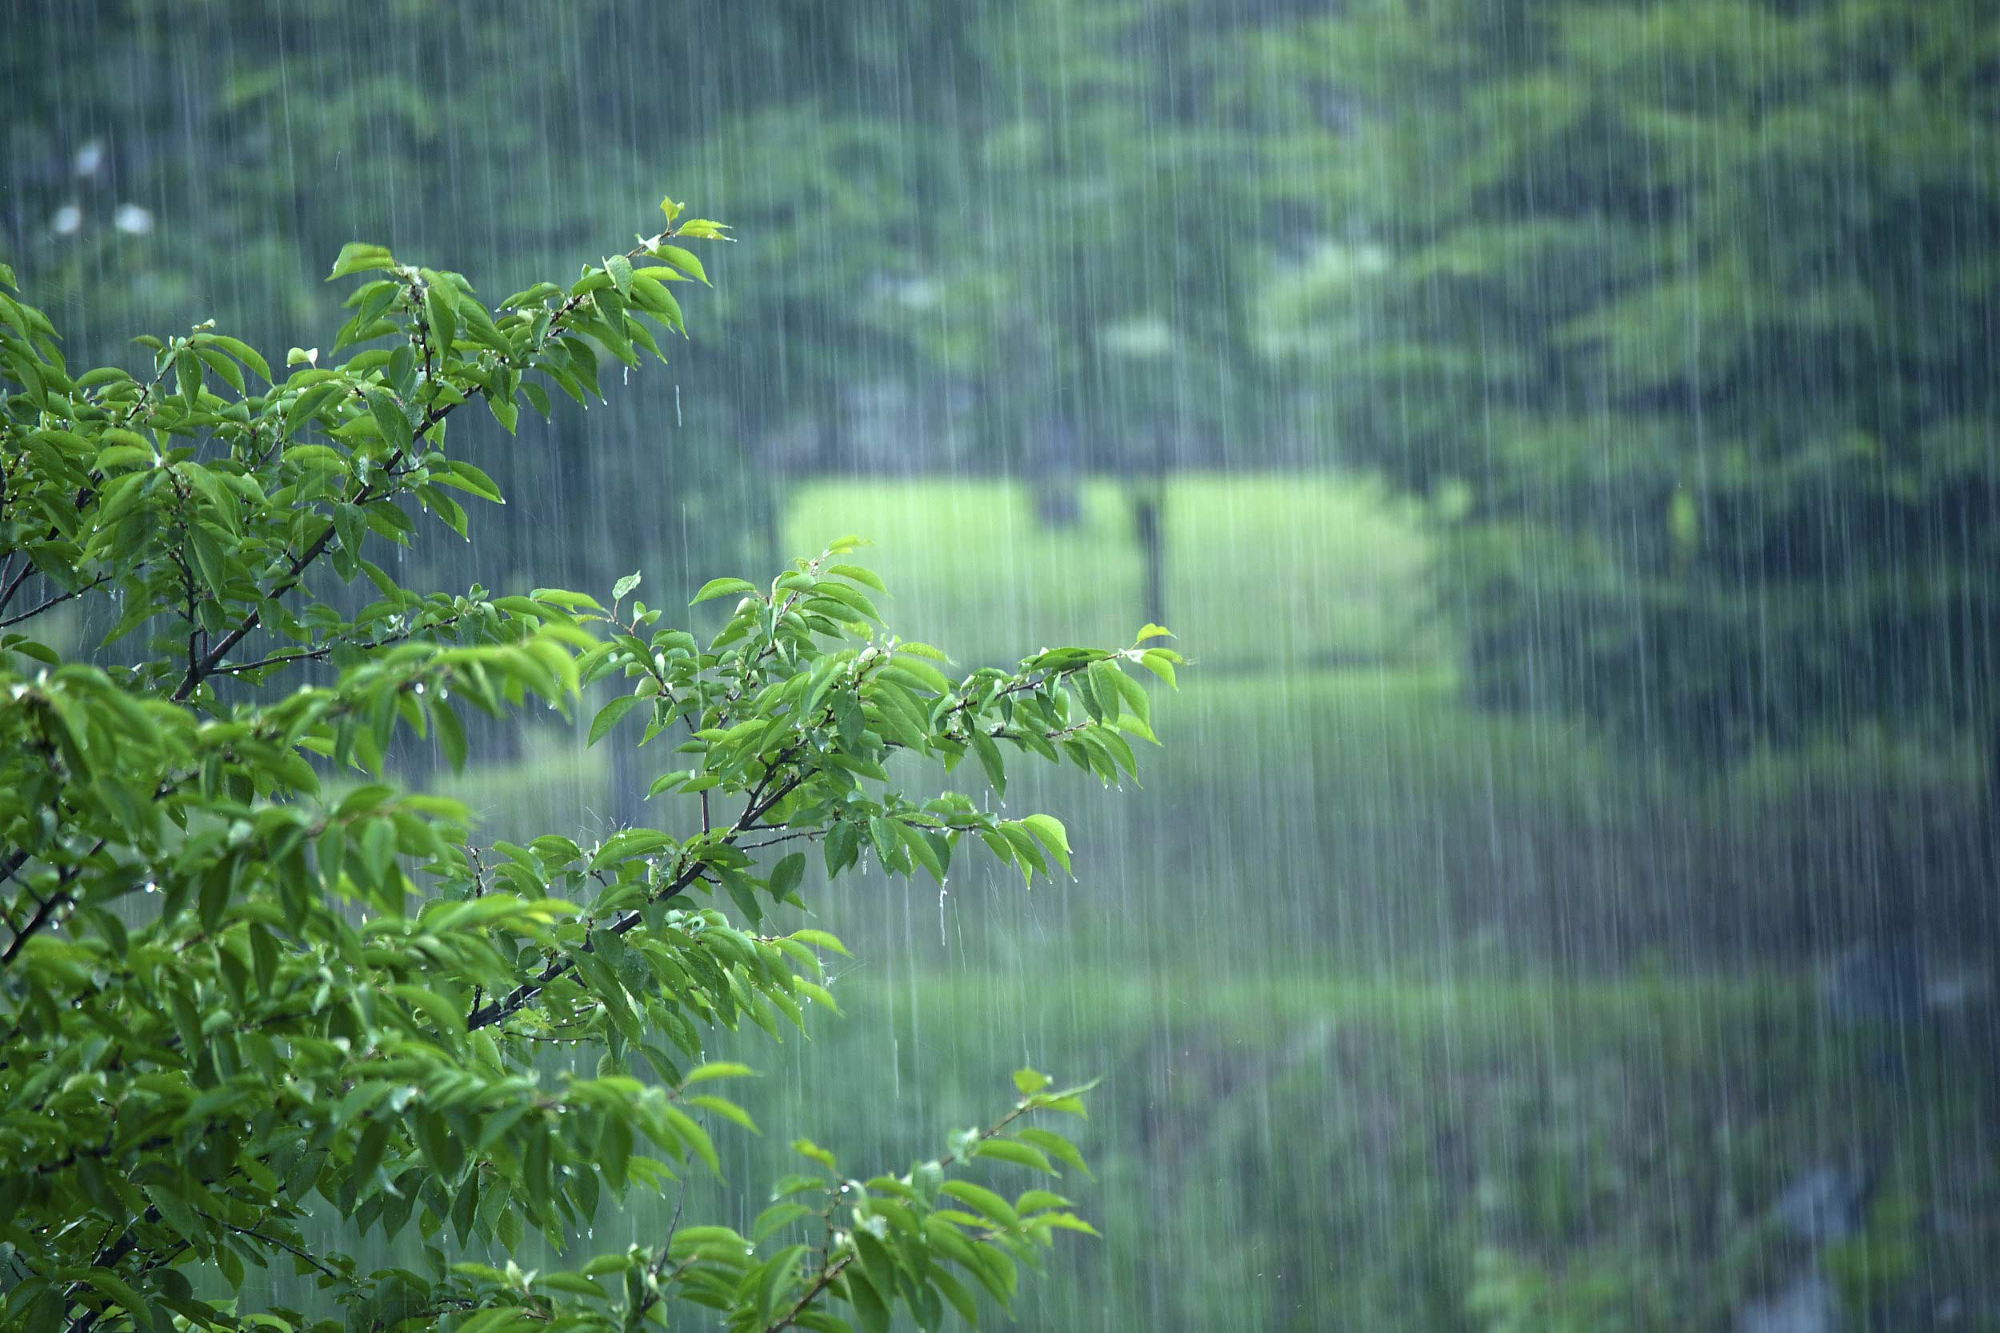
x=14, y=584
x=325, y=650
x=12, y=867
x=787, y=837
x=199, y=670
x=46, y=912
x=106, y=1257
x=319, y=654
x=673, y=1225
x=825, y=1280
x=288, y=1248
x=56, y=600
x=499, y=1010
x=290, y=580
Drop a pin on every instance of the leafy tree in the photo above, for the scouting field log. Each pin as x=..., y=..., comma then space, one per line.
x=1687, y=311
x=247, y=983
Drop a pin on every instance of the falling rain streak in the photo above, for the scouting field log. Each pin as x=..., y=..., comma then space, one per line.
x=1562, y=435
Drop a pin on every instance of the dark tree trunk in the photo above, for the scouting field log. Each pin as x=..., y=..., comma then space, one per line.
x=1147, y=504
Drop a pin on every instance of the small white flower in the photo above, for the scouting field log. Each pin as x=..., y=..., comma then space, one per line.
x=67, y=220
x=132, y=220
x=90, y=157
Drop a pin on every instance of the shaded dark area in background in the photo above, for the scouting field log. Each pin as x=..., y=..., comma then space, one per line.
x=1570, y=427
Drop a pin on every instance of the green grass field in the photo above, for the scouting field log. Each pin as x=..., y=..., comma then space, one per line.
x=1261, y=572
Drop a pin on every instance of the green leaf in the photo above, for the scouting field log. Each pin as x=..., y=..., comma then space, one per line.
x=187, y=373
x=684, y=260
x=504, y=411
x=717, y=1069
x=1049, y=832
x=786, y=875
x=113, y=1286
x=468, y=478
x=724, y=588
x=175, y=1211
x=869, y=1306
x=823, y=940
x=358, y=258
x=609, y=715
x=955, y=1292
x=440, y=314
x=368, y=1151
x=624, y=586
x=620, y=269
x=990, y=760
x=1020, y=1154
x=983, y=1201
x=807, y=1148
x=223, y=366
x=1030, y=1080
x=668, y=780
x=1035, y=1201
x=575, y=1284
x=389, y=418
x=1056, y=1146
x=695, y=1137
x=208, y=557
x=450, y=734
x=728, y=1110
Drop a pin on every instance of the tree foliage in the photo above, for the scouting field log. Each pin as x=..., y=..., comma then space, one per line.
x=247, y=982
x=1686, y=311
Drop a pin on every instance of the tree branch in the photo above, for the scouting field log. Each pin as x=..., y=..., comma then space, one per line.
x=56, y=600
x=45, y=913
x=14, y=583
x=325, y=650
x=432, y=416
x=198, y=671
x=521, y=996
x=825, y=1280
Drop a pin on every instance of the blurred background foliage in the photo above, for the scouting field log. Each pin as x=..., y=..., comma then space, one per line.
x=1570, y=425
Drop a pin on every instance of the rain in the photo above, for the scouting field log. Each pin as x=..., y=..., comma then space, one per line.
x=1562, y=437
